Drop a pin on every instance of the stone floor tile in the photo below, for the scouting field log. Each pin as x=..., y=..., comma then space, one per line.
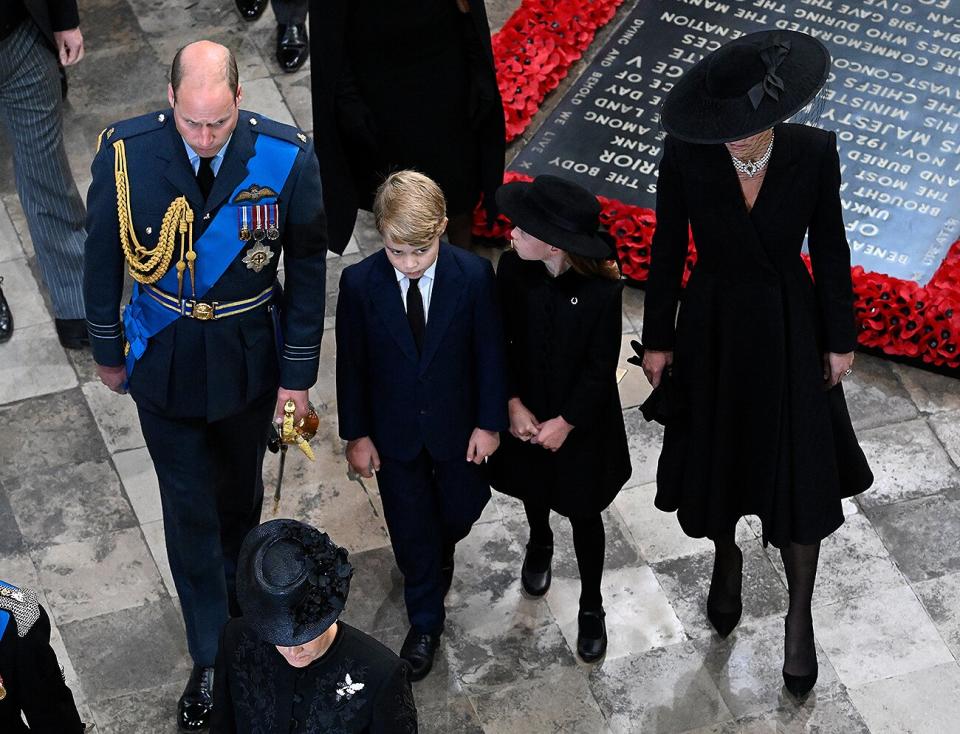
x=11, y=539
x=645, y=440
x=22, y=291
x=634, y=388
x=116, y=417
x=747, y=667
x=139, y=480
x=11, y=201
x=69, y=503
x=664, y=690
x=633, y=309
x=376, y=592
x=562, y=702
x=32, y=363
x=941, y=597
x=924, y=702
x=153, y=534
x=878, y=636
x=922, y=535
x=947, y=427
x=639, y=615
x=875, y=396
x=686, y=582
x=108, y=23
x=295, y=89
x=457, y=715
x=263, y=97
x=47, y=432
x=19, y=570
x=96, y=89
x=179, y=17
x=10, y=248
x=153, y=710
x=931, y=393
x=136, y=649
x=907, y=462
x=103, y=574
x=824, y=713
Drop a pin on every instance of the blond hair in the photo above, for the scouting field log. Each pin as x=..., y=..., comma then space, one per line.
x=410, y=208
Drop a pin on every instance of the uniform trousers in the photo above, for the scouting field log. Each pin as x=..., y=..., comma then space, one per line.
x=211, y=492
x=31, y=110
x=290, y=12
x=429, y=506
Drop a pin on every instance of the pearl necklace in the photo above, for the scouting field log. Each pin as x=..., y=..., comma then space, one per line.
x=752, y=168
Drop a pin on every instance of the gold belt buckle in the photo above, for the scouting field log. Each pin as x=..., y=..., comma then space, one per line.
x=204, y=311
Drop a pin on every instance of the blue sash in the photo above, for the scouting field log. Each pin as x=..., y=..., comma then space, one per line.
x=216, y=248
x=4, y=614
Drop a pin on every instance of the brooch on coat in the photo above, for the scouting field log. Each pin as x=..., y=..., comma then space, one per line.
x=347, y=688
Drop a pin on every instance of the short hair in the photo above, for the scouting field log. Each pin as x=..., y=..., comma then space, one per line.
x=231, y=74
x=410, y=208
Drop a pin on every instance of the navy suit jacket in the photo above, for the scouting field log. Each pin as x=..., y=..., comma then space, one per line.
x=405, y=401
x=210, y=369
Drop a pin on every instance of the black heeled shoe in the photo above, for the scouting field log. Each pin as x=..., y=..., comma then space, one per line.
x=536, y=573
x=591, y=635
x=800, y=685
x=724, y=620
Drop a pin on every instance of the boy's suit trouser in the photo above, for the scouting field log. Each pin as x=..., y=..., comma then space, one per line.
x=428, y=505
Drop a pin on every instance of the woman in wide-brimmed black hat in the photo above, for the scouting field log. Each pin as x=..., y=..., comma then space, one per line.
x=289, y=664
x=759, y=348
x=567, y=448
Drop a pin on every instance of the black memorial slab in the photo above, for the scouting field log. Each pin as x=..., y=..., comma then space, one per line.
x=893, y=99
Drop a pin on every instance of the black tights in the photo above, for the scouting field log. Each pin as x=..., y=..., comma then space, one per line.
x=589, y=543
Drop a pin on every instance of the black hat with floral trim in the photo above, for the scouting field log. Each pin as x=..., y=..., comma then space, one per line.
x=292, y=582
x=746, y=86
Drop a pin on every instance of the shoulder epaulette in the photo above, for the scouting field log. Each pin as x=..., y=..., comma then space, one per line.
x=134, y=126
x=22, y=604
x=261, y=124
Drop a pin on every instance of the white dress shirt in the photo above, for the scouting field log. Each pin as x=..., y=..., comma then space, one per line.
x=426, y=288
x=194, y=156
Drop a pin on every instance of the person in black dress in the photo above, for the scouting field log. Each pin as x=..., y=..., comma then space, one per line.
x=405, y=84
x=288, y=664
x=759, y=348
x=31, y=679
x=566, y=449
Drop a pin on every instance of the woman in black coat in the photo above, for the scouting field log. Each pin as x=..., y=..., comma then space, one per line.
x=759, y=348
x=567, y=448
x=400, y=84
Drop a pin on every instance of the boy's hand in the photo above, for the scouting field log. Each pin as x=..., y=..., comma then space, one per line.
x=523, y=424
x=553, y=433
x=482, y=444
x=363, y=457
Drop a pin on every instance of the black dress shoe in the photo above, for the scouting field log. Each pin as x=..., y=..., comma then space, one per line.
x=251, y=9
x=725, y=615
x=6, y=317
x=536, y=574
x=72, y=333
x=293, y=47
x=196, y=703
x=591, y=635
x=800, y=685
x=418, y=650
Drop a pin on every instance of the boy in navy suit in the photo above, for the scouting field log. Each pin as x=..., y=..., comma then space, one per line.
x=421, y=391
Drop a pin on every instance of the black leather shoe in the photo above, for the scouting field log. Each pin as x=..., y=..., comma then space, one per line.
x=800, y=685
x=418, y=650
x=725, y=615
x=6, y=317
x=72, y=333
x=536, y=573
x=446, y=571
x=196, y=703
x=251, y=9
x=591, y=635
x=293, y=47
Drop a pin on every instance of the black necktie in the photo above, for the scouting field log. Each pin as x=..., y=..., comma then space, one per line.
x=418, y=323
x=205, y=177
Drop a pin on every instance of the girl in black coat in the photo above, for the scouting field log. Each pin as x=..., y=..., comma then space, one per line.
x=759, y=348
x=567, y=448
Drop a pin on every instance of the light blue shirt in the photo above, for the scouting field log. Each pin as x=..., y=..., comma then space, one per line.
x=425, y=284
x=194, y=156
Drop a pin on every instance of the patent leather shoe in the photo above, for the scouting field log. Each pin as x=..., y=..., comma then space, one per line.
x=293, y=47
x=6, y=317
x=251, y=9
x=725, y=616
x=72, y=333
x=418, y=650
x=196, y=703
x=800, y=685
x=536, y=573
x=591, y=635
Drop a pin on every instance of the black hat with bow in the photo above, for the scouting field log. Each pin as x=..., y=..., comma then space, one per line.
x=745, y=87
x=292, y=582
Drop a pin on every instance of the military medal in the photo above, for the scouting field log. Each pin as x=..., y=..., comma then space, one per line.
x=258, y=231
x=242, y=214
x=258, y=256
x=272, y=231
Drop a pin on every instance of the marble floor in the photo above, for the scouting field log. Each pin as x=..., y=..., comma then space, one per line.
x=80, y=515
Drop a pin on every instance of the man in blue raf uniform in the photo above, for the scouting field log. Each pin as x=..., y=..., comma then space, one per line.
x=198, y=201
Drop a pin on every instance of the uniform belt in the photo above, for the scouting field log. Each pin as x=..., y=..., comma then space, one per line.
x=207, y=310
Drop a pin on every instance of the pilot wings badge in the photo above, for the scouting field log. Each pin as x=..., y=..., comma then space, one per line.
x=253, y=193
